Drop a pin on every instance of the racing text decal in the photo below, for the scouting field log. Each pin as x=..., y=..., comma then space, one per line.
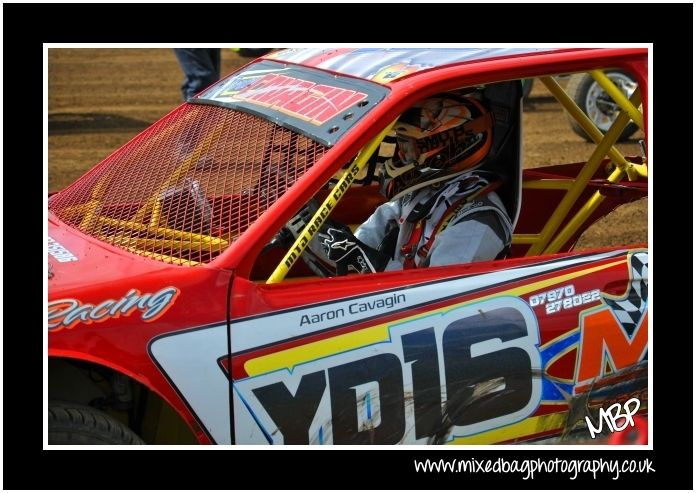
x=611, y=337
x=59, y=252
x=320, y=105
x=616, y=336
x=312, y=102
x=563, y=298
x=66, y=313
x=448, y=374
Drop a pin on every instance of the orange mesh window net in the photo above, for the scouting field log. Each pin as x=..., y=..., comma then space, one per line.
x=184, y=189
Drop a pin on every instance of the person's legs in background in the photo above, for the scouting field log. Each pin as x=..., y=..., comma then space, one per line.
x=201, y=68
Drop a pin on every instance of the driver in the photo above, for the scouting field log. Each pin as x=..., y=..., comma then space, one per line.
x=442, y=208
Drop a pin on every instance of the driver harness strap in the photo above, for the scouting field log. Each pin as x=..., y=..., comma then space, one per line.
x=410, y=249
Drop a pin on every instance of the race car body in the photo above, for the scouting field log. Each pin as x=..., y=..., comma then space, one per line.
x=165, y=278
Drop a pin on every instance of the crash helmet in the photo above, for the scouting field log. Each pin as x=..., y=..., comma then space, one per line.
x=436, y=139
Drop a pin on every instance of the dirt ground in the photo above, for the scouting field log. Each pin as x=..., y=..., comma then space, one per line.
x=98, y=99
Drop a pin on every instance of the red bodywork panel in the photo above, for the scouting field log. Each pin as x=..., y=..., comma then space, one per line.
x=523, y=331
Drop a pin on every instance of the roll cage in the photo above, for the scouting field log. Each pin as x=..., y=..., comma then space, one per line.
x=582, y=192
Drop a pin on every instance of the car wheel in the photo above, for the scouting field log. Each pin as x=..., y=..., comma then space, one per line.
x=75, y=424
x=596, y=104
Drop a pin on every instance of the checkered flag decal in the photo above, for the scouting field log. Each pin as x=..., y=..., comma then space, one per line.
x=629, y=309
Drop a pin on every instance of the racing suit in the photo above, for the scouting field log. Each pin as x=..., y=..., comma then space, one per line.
x=477, y=226
x=458, y=222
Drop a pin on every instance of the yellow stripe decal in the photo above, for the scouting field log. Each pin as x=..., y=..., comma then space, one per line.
x=315, y=350
x=529, y=426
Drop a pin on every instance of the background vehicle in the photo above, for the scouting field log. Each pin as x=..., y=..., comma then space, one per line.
x=158, y=295
x=597, y=104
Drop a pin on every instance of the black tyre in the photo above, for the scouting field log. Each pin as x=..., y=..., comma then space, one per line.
x=596, y=104
x=74, y=424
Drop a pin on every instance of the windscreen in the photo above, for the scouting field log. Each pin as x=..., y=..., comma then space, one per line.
x=184, y=189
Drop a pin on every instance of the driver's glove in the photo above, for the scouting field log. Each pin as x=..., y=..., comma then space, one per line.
x=349, y=253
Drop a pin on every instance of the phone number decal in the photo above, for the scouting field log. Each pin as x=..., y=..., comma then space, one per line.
x=563, y=298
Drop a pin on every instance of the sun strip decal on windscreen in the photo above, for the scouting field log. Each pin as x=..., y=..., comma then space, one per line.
x=319, y=105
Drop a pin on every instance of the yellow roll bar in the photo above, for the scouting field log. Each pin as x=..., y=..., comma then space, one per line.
x=327, y=206
x=588, y=208
x=605, y=146
x=583, y=120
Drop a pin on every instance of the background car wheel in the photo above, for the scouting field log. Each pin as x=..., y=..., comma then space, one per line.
x=74, y=424
x=596, y=104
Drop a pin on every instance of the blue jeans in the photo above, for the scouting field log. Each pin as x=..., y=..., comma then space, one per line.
x=201, y=68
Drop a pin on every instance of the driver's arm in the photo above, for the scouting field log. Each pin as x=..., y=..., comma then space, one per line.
x=373, y=231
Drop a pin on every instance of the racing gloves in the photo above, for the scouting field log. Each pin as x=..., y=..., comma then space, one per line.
x=335, y=245
x=350, y=254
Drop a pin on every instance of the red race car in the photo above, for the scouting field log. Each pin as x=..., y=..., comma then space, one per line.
x=185, y=304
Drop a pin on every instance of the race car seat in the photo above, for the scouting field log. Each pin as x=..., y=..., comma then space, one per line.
x=505, y=157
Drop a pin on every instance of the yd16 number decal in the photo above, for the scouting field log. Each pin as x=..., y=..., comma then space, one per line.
x=448, y=374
